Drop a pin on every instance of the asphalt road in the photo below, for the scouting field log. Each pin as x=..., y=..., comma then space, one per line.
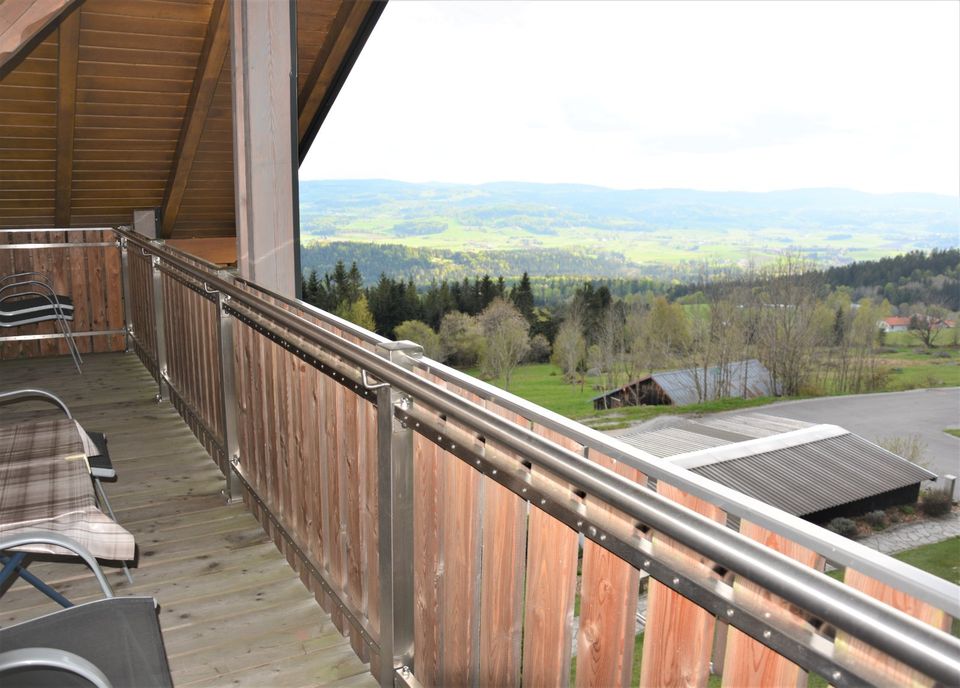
x=924, y=412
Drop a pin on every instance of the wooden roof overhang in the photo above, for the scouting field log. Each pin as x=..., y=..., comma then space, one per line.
x=107, y=106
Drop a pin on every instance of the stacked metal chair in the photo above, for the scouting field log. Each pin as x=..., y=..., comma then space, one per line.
x=29, y=297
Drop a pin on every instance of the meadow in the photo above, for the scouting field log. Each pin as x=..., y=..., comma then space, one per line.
x=909, y=367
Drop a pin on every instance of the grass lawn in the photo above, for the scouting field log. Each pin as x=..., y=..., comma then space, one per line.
x=953, y=431
x=543, y=384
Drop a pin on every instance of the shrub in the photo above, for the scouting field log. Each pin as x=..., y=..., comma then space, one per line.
x=843, y=526
x=887, y=350
x=894, y=516
x=876, y=520
x=908, y=509
x=910, y=447
x=936, y=503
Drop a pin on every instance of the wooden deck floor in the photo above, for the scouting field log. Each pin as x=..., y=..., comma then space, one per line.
x=233, y=612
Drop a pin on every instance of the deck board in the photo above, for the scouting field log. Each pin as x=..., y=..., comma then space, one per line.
x=233, y=612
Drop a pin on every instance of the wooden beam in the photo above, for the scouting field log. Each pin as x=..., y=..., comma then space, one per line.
x=347, y=35
x=205, y=81
x=68, y=54
x=265, y=143
x=21, y=21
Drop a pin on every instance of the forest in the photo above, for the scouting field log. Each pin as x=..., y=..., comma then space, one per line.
x=814, y=333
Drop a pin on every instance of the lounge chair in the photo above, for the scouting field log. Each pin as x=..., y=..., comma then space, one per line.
x=115, y=641
x=29, y=297
x=28, y=466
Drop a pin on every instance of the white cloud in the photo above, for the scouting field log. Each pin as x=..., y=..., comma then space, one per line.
x=715, y=95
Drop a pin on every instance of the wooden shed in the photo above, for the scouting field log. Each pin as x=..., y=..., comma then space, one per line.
x=741, y=379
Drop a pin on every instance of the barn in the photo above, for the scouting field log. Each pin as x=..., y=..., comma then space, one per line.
x=744, y=379
x=817, y=472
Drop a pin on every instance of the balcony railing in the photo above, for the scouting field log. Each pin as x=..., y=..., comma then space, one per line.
x=449, y=527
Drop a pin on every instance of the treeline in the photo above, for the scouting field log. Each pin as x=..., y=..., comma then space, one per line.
x=811, y=336
x=424, y=265
x=928, y=277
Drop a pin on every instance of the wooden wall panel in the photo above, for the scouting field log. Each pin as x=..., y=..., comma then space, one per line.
x=88, y=274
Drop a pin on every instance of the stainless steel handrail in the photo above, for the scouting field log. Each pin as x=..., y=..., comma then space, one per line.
x=837, y=549
x=889, y=630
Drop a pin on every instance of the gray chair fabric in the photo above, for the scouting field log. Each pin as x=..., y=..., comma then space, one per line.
x=119, y=635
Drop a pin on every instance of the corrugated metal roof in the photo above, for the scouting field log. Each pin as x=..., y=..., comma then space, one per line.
x=810, y=477
x=753, y=424
x=745, y=379
x=796, y=466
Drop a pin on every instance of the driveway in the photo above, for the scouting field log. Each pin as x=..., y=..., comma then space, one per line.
x=924, y=412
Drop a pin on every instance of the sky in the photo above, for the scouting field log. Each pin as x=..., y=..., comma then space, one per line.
x=745, y=96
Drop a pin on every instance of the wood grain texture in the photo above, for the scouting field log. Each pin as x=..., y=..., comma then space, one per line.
x=746, y=661
x=205, y=79
x=502, y=576
x=231, y=609
x=851, y=649
x=609, y=589
x=88, y=274
x=679, y=638
x=459, y=594
x=551, y=584
x=427, y=525
x=69, y=44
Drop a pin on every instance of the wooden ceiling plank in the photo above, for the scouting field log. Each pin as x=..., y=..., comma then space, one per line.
x=66, y=113
x=23, y=20
x=201, y=96
x=312, y=91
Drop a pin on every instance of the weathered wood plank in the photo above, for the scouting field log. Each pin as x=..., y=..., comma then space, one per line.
x=205, y=80
x=551, y=586
x=677, y=645
x=746, y=661
x=231, y=608
x=608, y=603
x=501, y=606
x=69, y=46
x=858, y=652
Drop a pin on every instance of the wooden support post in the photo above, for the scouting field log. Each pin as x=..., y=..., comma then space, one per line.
x=68, y=55
x=263, y=40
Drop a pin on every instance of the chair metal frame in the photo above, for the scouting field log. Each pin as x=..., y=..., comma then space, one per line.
x=57, y=310
x=50, y=398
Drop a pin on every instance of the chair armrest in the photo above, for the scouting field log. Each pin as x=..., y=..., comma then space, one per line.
x=19, y=395
x=52, y=658
x=39, y=537
x=41, y=275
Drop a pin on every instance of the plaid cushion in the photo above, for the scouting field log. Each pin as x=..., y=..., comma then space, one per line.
x=45, y=485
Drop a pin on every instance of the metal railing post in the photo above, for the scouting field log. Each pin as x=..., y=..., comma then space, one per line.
x=159, y=327
x=125, y=285
x=232, y=491
x=395, y=496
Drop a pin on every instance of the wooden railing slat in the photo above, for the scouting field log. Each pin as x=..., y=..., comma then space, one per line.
x=679, y=634
x=503, y=553
x=608, y=607
x=746, y=661
x=426, y=543
x=551, y=583
x=851, y=649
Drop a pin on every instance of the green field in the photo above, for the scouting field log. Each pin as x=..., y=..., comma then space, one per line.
x=909, y=367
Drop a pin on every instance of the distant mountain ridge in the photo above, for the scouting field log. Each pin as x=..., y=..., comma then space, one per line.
x=652, y=227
